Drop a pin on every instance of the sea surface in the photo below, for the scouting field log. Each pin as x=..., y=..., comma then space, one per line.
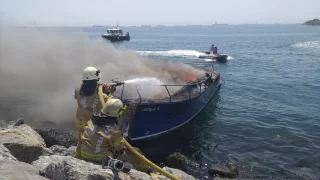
x=265, y=118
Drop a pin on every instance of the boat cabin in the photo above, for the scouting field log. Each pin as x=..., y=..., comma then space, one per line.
x=114, y=31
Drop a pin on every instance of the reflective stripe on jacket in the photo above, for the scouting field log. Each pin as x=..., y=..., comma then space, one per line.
x=87, y=106
x=98, y=142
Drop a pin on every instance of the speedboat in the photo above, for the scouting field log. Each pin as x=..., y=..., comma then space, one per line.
x=147, y=118
x=116, y=34
x=217, y=57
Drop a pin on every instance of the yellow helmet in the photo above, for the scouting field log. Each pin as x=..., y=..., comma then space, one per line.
x=91, y=73
x=112, y=107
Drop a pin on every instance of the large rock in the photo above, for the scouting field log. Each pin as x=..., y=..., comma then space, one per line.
x=180, y=161
x=220, y=178
x=23, y=142
x=180, y=174
x=57, y=167
x=63, y=151
x=69, y=168
x=5, y=154
x=16, y=170
x=56, y=137
x=134, y=174
x=224, y=170
x=4, y=124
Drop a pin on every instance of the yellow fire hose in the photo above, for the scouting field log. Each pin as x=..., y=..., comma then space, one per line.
x=132, y=150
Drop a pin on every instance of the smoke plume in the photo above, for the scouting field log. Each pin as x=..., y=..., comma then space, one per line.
x=40, y=69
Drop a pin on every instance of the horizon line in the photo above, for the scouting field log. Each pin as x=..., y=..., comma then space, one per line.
x=158, y=25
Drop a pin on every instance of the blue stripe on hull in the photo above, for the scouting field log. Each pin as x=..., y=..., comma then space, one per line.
x=152, y=120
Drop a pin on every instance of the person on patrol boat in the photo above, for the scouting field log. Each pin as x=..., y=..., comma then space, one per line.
x=88, y=100
x=102, y=138
x=213, y=49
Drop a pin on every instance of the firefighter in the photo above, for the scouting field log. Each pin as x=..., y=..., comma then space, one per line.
x=102, y=138
x=88, y=100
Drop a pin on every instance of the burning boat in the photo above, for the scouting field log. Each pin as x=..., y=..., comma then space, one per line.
x=147, y=117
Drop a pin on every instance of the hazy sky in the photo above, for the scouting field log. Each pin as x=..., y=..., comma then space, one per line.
x=164, y=12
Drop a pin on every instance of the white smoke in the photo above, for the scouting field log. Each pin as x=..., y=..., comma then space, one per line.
x=45, y=67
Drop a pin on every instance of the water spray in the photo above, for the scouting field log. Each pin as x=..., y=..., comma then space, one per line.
x=138, y=80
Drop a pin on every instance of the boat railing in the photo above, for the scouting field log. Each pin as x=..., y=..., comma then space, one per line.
x=203, y=85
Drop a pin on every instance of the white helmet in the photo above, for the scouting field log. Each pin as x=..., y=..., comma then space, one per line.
x=91, y=73
x=112, y=107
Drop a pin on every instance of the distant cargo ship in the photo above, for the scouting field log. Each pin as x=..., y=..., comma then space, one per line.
x=97, y=26
x=219, y=24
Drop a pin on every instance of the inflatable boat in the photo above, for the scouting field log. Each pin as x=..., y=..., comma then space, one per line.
x=217, y=57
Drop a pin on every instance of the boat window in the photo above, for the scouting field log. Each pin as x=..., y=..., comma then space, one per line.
x=114, y=31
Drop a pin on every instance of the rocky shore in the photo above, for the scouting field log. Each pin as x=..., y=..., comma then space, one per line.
x=30, y=153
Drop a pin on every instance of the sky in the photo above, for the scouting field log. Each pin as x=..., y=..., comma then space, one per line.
x=161, y=12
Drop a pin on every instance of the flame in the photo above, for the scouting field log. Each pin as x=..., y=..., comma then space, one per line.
x=187, y=76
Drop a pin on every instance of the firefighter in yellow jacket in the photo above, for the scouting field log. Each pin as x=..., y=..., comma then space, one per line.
x=102, y=137
x=88, y=100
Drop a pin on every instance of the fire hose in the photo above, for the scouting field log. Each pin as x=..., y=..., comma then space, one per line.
x=135, y=152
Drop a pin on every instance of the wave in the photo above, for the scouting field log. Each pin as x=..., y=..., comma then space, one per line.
x=308, y=44
x=229, y=57
x=173, y=53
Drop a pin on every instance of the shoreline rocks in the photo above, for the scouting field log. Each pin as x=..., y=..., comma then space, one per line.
x=11, y=168
x=6, y=124
x=223, y=171
x=18, y=170
x=180, y=161
x=24, y=155
x=23, y=142
x=57, y=167
x=5, y=153
x=63, y=151
x=56, y=137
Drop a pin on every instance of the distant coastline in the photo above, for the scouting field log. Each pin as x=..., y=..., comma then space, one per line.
x=313, y=22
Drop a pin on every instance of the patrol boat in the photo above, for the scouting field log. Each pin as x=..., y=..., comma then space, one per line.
x=147, y=118
x=116, y=34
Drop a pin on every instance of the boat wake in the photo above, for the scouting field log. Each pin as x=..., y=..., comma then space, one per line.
x=188, y=54
x=229, y=58
x=308, y=44
x=173, y=53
